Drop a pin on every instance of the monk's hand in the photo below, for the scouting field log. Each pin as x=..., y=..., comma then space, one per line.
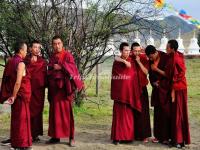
x=128, y=64
x=10, y=100
x=57, y=67
x=173, y=95
x=156, y=84
x=154, y=67
x=117, y=58
x=34, y=59
x=137, y=59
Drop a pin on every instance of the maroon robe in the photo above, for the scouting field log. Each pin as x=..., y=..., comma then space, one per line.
x=61, y=86
x=160, y=100
x=142, y=119
x=20, y=133
x=126, y=98
x=38, y=72
x=180, y=125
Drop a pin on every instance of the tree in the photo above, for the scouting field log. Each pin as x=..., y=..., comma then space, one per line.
x=86, y=26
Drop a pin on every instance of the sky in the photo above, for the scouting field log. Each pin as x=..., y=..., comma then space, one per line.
x=192, y=7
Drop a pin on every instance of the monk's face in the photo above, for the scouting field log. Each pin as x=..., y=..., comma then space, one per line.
x=137, y=50
x=23, y=51
x=125, y=52
x=153, y=57
x=169, y=49
x=35, y=49
x=57, y=45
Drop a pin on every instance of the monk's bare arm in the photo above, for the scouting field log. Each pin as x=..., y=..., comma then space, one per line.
x=155, y=68
x=57, y=67
x=20, y=71
x=161, y=72
x=119, y=59
x=143, y=68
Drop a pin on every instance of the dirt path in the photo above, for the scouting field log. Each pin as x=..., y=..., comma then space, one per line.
x=94, y=137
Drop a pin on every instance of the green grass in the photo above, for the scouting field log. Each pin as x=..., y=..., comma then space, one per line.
x=193, y=73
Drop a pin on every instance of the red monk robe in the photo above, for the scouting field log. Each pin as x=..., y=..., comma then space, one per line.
x=38, y=72
x=20, y=133
x=142, y=119
x=180, y=124
x=160, y=100
x=126, y=98
x=61, y=87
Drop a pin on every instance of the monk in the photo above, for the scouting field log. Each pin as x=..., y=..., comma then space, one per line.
x=16, y=91
x=142, y=119
x=160, y=97
x=180, y=131
x=126, y=97
x=63, y=80
x=37, y=67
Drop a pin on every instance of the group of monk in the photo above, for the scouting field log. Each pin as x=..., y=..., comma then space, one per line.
x=131, y=116
x=25, y=77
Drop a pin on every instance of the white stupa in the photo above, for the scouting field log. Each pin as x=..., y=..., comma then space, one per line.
x=181, y=47
x=163, y=43
x=150, y=40
x=137, y=38
x=193, y=48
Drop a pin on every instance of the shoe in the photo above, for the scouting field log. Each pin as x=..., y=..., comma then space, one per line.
x=146, y=140
x=53, y=141
x=72, y=143
x=6, y=142
x=155, y=140
x=28, y=148
x=21, y=148
x=115, y=142
x=36, y=139
x=165, y=142
x=183, y=144
x=171, y=144
x=12, y=148
x=178, y=146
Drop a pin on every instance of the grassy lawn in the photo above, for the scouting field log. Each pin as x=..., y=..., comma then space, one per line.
x=97, y=111
x=193, y=72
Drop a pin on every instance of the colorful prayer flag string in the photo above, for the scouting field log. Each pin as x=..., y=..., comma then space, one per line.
x=159, y=3
x=182, y=13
